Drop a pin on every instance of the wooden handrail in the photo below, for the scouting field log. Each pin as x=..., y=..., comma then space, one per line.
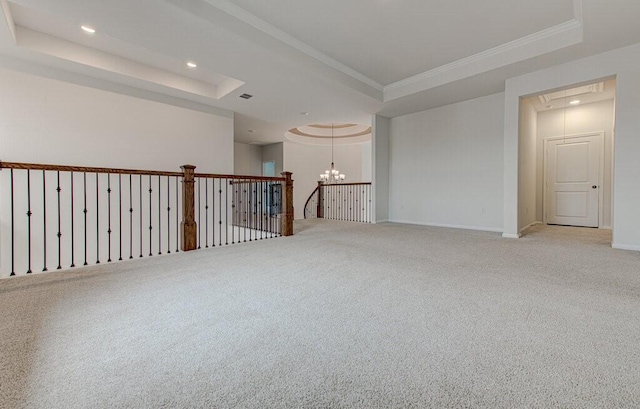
x=308, y=200
x=345, y=201
x=245, y=177
x=346, y=184
x=80, y=169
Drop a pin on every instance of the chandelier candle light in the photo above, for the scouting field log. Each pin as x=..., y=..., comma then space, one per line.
x=333, y=175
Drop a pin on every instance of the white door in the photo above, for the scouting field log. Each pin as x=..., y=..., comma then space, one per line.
x=573, y=178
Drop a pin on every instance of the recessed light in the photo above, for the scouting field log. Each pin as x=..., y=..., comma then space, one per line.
x=250, y=131
x=575, y=102
x=549, y=106
x=88, y=29
x=191, y=64
x=304, y=113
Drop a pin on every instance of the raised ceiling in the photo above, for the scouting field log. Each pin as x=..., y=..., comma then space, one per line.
x=388, y=41
x=339, y=61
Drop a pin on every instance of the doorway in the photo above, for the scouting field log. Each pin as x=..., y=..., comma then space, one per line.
x=573, y=176
x=566, y=142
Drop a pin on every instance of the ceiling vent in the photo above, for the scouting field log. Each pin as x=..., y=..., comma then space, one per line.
x=246, y=96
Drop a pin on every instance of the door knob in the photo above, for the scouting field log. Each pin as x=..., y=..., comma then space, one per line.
x=594, y=187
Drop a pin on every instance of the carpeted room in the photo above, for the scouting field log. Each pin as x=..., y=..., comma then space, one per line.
x=338, y=315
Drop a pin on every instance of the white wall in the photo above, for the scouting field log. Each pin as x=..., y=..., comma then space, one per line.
x=446, y=165
x=381, y=140
x=527, y=165
x=274, y=152
x=247, y=159
x=367, y=169
x=623, y=64
x=52, y=122
x=596, y=117
x=47, y=121
x=307, y=162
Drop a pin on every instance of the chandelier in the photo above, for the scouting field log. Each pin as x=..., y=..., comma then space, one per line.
x=333, y=175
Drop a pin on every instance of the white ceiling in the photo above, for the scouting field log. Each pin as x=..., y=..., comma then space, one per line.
x=339, y=61
x=389, y=41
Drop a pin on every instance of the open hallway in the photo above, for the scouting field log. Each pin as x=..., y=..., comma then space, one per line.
x=355, y=316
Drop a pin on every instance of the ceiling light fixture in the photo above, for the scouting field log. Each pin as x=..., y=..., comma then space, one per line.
x=88, y=29
x=333, y=175
x=191, y=64
x=574, y=102
x=304, y=113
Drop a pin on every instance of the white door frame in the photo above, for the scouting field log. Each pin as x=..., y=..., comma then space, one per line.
x=545, y=159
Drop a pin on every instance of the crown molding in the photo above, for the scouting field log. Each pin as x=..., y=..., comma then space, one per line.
x=533, y=45
x=34, y=67
x=261, y=25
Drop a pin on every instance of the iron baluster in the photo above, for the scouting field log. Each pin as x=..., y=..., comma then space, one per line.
x=120, y=213
x=226, y=211
x=13, y=232
x=130, y=216
x=206, y=213
x=73, y=243
x=220, y=212
x=109, y=217
x=199, y=223
x=44, y=216
x=213, y=212
x=97, y=219
x=58, y=189
x=29, y=214
x=159, y=216
x=84, y=211
x=168, y=215
x=150, y=217
x=177, y=225
x=141, y=216
x=234, y=198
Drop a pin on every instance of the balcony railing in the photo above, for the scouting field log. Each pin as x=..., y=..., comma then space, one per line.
x=59, y=217
x=340, y=201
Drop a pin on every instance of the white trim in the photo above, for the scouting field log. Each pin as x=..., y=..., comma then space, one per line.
x=511, y=236
x=578, y=11
x=625, y=247
x=261, y=25
x=545, y=142
x=380, y=221
x=492, y=52
x=530, y=225
x=450, y=226
x=33, y=68
x=536, y=44
x=8, y=17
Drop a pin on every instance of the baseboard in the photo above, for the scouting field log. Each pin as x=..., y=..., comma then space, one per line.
x=511, y=236
x=625, y=247
x=381, y=221
x=606, y=228
x=450, y=226
x=530, y=225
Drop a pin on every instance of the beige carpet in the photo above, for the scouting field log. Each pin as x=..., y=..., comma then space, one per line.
x=338, y=316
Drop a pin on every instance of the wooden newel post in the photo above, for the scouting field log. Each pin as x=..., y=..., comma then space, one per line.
x=188, y=226
x=320, y=211
x=287, y=205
